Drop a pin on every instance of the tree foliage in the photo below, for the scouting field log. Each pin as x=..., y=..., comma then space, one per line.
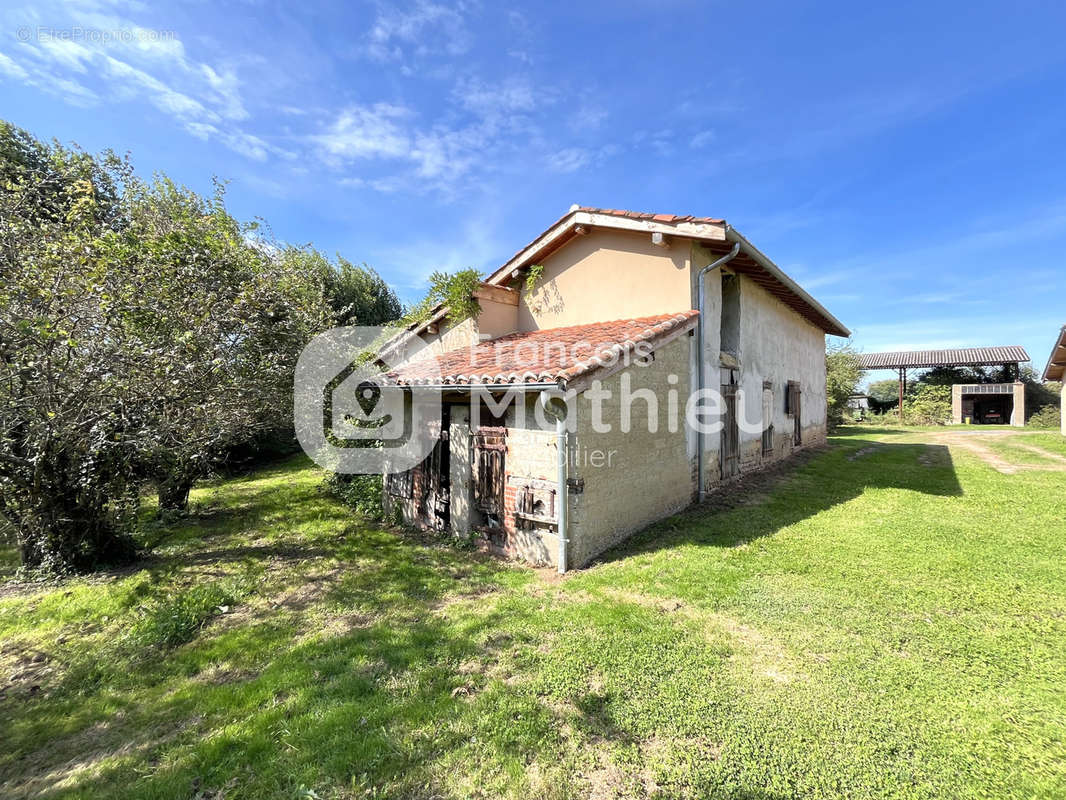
x=357, y=294
x=928, y=404
x=885, y=392
x=455, y=290
x=842, y=375
x=140, y=333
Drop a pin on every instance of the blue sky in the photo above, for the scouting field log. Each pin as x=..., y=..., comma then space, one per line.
x=903, y=161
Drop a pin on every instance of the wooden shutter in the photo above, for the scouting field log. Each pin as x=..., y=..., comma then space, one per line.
x=490, y=450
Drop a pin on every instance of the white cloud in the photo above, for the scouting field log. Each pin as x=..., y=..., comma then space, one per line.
x=661, y=141
x=588, y=118
x=367, y=132
x=489, y=122
x=422, y=29
x=226, y=89
x=66, y=53
x=126, y=62
x=489, y=101
x=569, y=159
x=701, y=139
x=11, y=68
x=828, y=278
x=159, y=94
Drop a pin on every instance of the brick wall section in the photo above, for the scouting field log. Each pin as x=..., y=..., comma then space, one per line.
x=649, y=475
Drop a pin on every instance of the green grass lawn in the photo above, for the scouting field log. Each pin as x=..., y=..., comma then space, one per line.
x=888, y=620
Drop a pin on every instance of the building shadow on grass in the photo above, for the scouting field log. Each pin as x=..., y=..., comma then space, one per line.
x=762, y=503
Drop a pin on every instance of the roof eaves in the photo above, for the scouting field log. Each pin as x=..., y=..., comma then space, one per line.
x=834, y=326
x=1055, y=371
x=699, y=228
x=563, y=229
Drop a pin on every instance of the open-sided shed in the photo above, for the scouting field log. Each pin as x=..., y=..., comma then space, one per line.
x=996, y=401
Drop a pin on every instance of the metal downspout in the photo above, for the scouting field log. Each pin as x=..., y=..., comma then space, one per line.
x=700, y=346
x=562, y=453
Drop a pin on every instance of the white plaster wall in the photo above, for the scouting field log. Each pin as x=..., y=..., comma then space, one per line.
x=460, y=473
x=778, y=345
x=712, y=342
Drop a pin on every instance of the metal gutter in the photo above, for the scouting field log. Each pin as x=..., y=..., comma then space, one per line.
x=701, y=347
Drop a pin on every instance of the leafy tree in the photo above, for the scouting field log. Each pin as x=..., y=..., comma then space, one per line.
x=1049, y=417
x=885, y=392
x=360, y=296
x=140, y=332
x=69, y=409
x=930, y=404
x=357, y=294
x=231, y=320
x=947, y=376
x=452, y=289
x=842, y=375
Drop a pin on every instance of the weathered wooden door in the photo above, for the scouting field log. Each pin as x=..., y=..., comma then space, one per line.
x=434, y=506
x=729, y=450
x=490, y=451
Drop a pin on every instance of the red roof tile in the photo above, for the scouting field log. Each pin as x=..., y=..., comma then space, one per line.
x=545, y=356
x=671, y=219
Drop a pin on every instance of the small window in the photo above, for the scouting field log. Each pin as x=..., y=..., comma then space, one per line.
x=400, y=484
x=792, y=389
x=730, y=316
x=793, y=406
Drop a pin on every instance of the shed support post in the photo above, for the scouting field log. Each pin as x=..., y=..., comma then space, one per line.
x=902, y=389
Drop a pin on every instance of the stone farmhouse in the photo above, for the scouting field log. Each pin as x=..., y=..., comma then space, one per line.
x=569, y=398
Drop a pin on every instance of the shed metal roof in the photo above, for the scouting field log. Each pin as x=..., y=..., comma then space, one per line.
x=963, y=357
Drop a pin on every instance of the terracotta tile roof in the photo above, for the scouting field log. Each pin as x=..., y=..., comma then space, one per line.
x=965, y=357
x=669, y=219
x=546, y=356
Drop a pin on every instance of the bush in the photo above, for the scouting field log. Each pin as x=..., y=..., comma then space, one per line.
x=176, y=619
x=361, y=493
x=1046, y=417
x=842, y=375
x=929, y=405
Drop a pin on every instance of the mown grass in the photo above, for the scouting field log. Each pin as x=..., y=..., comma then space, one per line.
x=889, y=620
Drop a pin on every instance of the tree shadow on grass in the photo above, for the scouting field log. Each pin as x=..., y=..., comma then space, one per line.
x=798, y=488
x=847, y=431
x=299, y=701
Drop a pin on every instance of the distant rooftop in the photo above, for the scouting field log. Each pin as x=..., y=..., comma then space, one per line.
x=964, y=357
